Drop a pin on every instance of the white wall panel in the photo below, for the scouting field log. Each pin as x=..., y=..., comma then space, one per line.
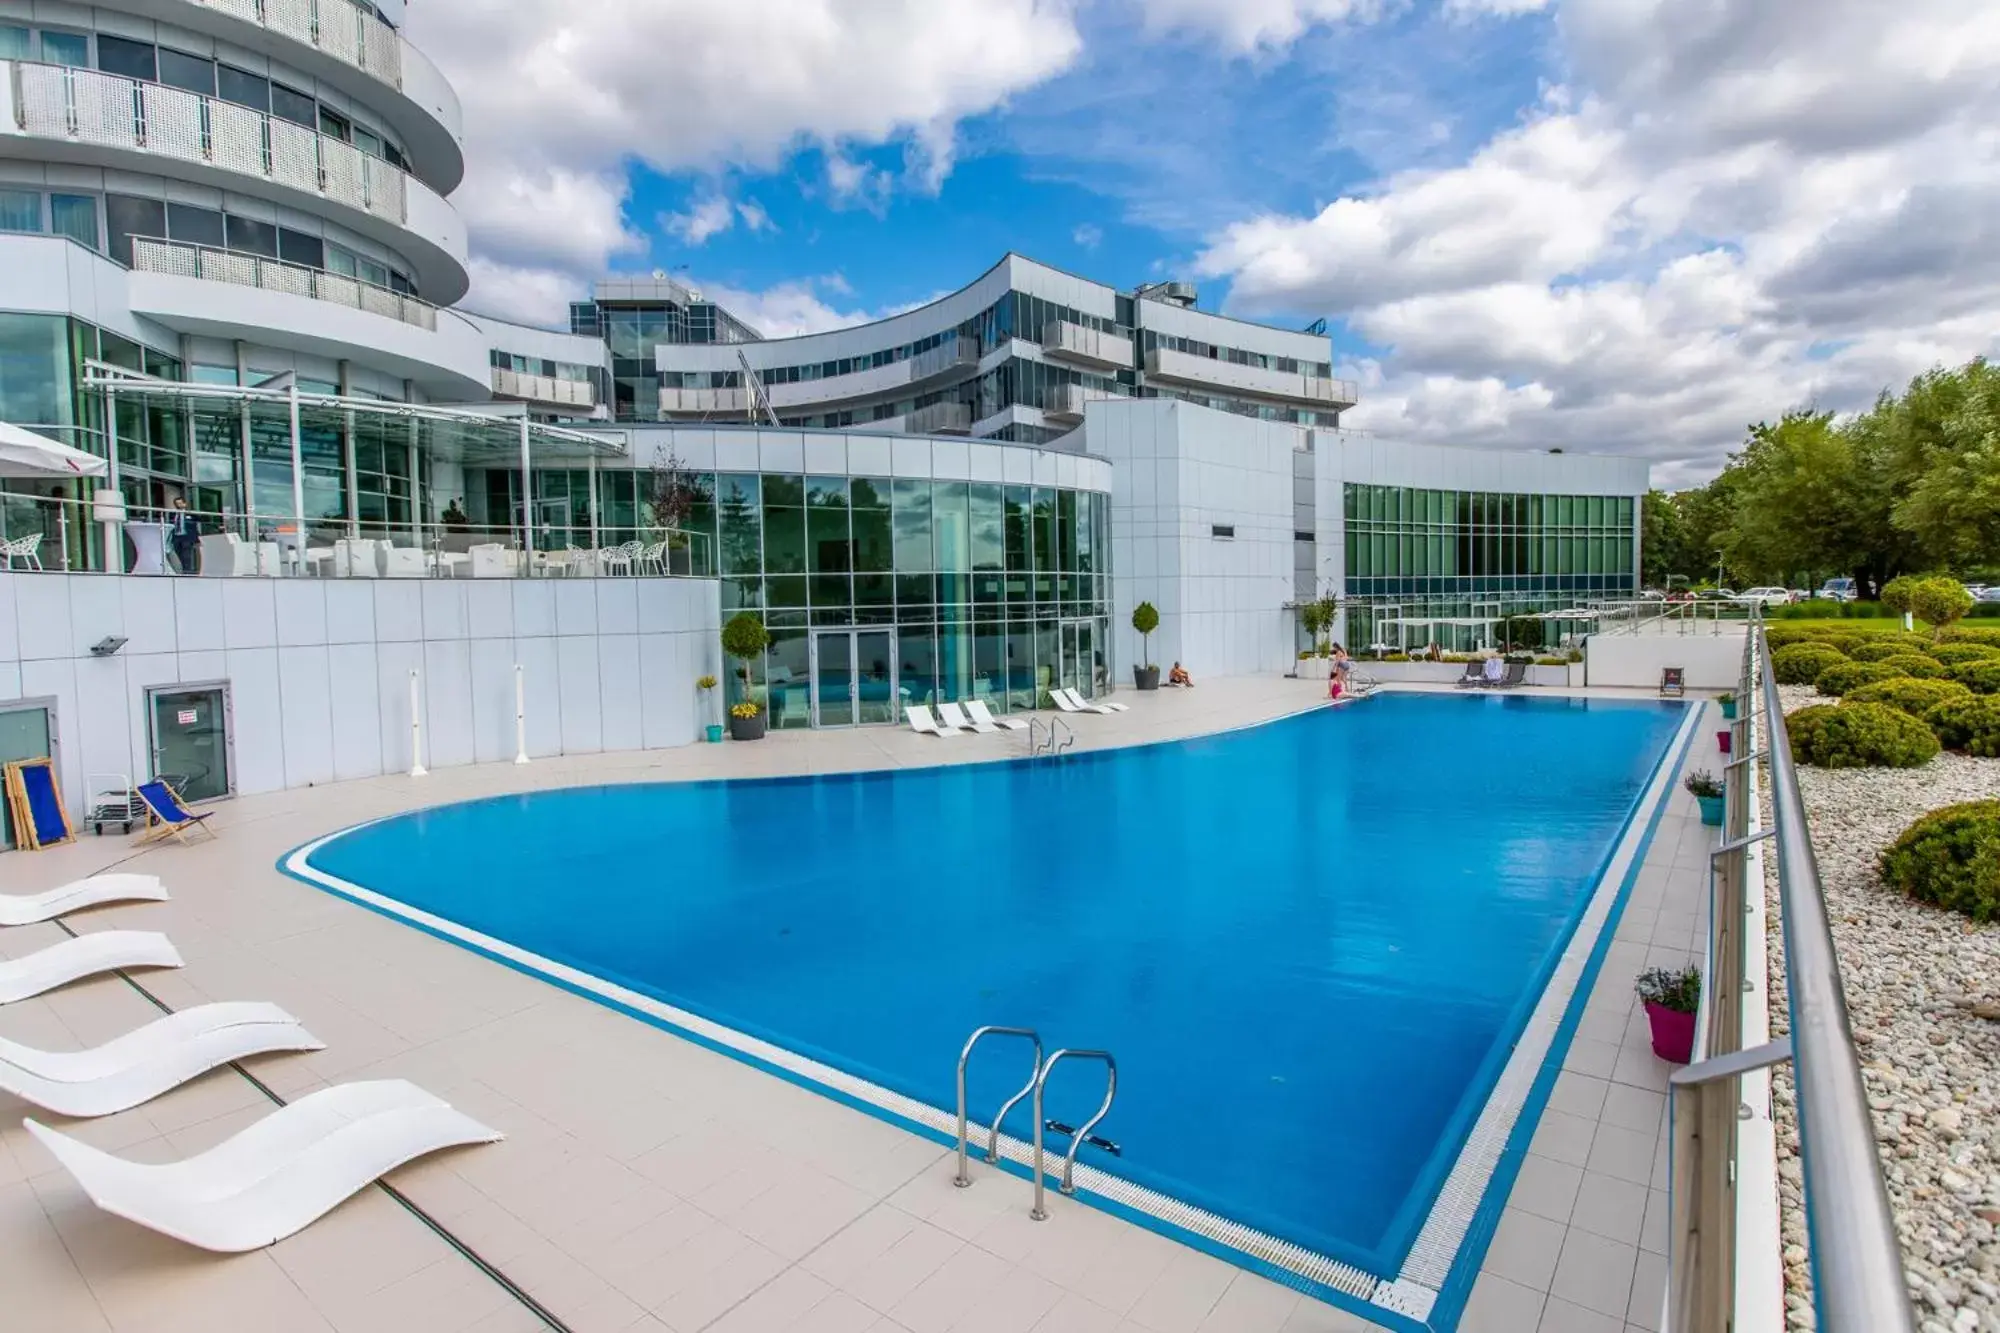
x=197, y=614
x=10, y=630
x=618, y=691
x=618, y=605
x=393, y=664
x=301, y=607
x=492, y=693
x=350, y=610
x=447, y=703
x=354, y=693
x=542, y=681
x=444, y=608
x=96, y=612
x=399, y=610
x=534, y=607
x=489, y=605
x=582, y=712
x=249, y=614
x=305, y=689
x=42, y=611
x=258, y=708
x=576, y=606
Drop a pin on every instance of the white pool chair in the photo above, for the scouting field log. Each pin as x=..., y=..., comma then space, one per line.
x=924, y=724
x=137, y=1067
x=1113, y=705
x=280, y=1175
x=84, y=956
x=1061, y=701
x=27, y=908
x=951, y=715
x=1077, y=703
x=979, y=712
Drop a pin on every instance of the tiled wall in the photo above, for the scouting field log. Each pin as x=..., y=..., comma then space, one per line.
x=319, y=671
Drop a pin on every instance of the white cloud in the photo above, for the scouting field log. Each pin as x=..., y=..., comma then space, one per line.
x=754, y=217
x=1089, y=236
x=1741, y=206
x=789, y=309
x=709, y=217
x=1248, y=25
x=559, y=97
x=1494, y=8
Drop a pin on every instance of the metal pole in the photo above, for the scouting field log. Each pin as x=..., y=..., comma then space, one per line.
x=527, y=505
x=298, y=489
x=595, y=543
x=249, y=477
x=114, y=541
x=520, y=716
x=417, y=768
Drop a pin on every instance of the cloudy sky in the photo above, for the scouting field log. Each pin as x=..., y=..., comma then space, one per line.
x=1622, y=225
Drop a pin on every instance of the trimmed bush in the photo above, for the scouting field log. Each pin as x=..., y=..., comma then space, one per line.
x=1841, y=677
x=1886, y=646
x=1859, y=736
x=1915, y=664
x=1950, y=858
x=1972, y=634
x=1801, y=663
x=1940, y=602
x=1951, y=654
x=1910, y=695
x=1982, y=677
x=1970, y=724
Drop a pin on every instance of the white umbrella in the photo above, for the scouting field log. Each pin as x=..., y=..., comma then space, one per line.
x=26, y=454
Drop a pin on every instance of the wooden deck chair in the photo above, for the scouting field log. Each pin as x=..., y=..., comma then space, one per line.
x=166, y=816
x=35, y=801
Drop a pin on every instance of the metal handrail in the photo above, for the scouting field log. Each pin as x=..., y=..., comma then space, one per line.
x=1081, y=1134
x=1857, y=1261
x=964, y=1177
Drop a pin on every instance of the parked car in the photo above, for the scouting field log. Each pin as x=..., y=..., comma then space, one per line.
x=1716, y=595
x=1988, y=594
x=1800, y=594
x=1770, y=596
x=1837, y=590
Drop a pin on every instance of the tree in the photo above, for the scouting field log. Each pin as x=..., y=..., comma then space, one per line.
x=1662, y=538
x=745, y=639
x=1809, y=497
x=1146, y=619
x=1316, y=618
x=1896, y=593
x=672, y=492
x=1939, y=602
x=1949, y=459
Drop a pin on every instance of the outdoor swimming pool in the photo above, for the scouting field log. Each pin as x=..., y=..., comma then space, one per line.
x=1310, y=944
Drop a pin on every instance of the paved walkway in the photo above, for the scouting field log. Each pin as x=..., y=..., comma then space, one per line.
x=648, y=1183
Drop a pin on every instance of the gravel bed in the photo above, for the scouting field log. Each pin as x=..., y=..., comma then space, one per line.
x=1932, y=1068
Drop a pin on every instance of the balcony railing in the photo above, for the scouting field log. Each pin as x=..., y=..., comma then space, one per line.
x=1065, y=341
x=85, y=106
x=1172, y=367
x=347, y=32
x=245, y=270
x=543, y=388
x=729, y=402
x=940, y=419
x=1064, y=403
x=958, y=354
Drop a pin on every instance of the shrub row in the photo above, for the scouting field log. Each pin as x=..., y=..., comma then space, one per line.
x=1911, y=695
x=1950, y=857
x=1859, y=735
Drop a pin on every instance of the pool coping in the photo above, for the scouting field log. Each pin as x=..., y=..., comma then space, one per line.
x=1401, y=1302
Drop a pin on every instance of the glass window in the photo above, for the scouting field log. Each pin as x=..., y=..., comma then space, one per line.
x=742, y=529
x=179, y=70
x=828, y=538
x=66, y=48
x=367, y=143
x=294, y=106
x=372, y=272
x=74, y=216
x=784, y=536
x=133, y=60
x=252, y=237
x=988, y=529
x=342, y=262
x=873, y=531
x=20, y=210
x=13, y=42
x=196, y=226
x=34, y=370
x=333, y=124
x=914, y=552
x=243, y=88
x=201, y=374
x=295, y=247
x=126, y=216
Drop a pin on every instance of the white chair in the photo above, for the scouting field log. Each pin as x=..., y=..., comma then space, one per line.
x=280, y=1175
x=25, y=549
x=27, y=908
x=979, y=712
x=951, y=715
x=924, y=724
x=226, y=555
x=137, y=1067
x=357, y=558
x=319, y=561
x=491, y=560
x=653, y=559
x=84, y=956
x=1076, y=703
x=404, y=562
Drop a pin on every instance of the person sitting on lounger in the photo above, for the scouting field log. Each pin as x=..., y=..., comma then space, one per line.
x=1336, y=676
x=1494, y=671
x=1179, y=676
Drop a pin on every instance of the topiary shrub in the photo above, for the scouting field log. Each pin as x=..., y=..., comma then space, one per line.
x=1845, y=641
x=1915, y=664
x=1841, y=677
x=1909, y=695
x=1951, y=654
x=1886, y=646
x=1859, y=736
x=1801, y=663
x=1951, y=858
x=1940, y=602
x=1982, y=677
x=1971, y=724
x=1972, y=634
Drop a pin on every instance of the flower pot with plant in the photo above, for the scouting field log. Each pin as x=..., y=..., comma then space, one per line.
x=746, y=721
x=1728, y=702
x=1707, y=792
x=1146, y=619
x=1671, y=998
x=745, y=638
x=713, y=730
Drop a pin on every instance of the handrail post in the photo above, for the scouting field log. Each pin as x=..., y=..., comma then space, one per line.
x=964, y=1177
x=1040, y=1212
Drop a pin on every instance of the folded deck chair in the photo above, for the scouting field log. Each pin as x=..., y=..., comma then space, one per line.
x=166, y=816
x=1114, y=705
x=1474, y=677
x=278, y=1176
x=84, y=956
x=1517, y=673
x=27, y=908
x=1062, y=702
x=1079, y=704
x=924, y=724
x=977, y=710
x=137, y=1067
x=951, y=715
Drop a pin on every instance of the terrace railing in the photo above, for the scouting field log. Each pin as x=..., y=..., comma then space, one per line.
x=1856, y=1260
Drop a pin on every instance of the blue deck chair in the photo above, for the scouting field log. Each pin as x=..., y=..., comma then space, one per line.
x=166, y=816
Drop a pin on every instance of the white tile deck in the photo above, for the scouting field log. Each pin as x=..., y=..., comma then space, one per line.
x=651, y=1184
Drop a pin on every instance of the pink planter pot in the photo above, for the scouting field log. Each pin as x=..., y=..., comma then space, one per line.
x=1722, y=741
x=1673, y=1034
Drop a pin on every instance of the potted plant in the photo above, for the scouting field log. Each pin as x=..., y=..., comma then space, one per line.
x=714, y=729
x=1671, y=998
x=1146, y=619
x=745, y=638
x=746, y=721
x=1728, y=702
x=1707, y=792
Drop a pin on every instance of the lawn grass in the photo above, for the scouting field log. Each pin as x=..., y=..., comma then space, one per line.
x=1881, y=625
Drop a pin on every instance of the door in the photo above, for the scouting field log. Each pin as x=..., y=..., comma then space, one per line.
x=25, y=733
x=191, y=740
x=1070, y=658
x=875, y=695
x=853, y=677
x=833, y=678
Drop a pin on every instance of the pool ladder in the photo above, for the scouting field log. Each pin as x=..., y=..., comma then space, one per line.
x=1037, y=1082
x=1043, y=737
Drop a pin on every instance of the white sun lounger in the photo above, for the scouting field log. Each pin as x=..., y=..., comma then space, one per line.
x=137, y=1067
x=1079, y=704
x=977, y=710
x=923, y=723
x=28, y=908
x=84, y=956
x=951, y=715
x=278, y=1176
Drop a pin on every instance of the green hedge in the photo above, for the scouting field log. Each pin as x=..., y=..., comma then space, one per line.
x=1950, y=857
x=1886, y=646
x=1985, y=634
x=1910, y=695
x=1801, y=663
x=1982, y=677
x=1841, y=677
x=1915, y=664
x=1971, y=724
x=1859, y=736
x=1951, y=654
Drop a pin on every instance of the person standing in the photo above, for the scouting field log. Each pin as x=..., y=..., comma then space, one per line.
x=184, y=531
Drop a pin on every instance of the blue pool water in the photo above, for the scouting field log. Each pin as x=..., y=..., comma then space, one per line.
x=1310, y=944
